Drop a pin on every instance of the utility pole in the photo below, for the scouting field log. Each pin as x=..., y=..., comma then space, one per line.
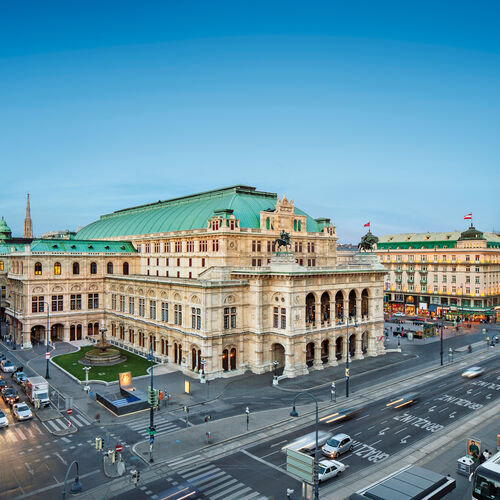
x=152, y=398
x=247, y=411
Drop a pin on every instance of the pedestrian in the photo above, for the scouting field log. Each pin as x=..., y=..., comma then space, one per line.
x=486, y=454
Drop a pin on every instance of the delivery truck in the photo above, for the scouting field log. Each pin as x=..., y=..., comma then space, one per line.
x=37, y=388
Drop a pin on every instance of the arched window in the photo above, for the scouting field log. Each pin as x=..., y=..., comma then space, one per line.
x=57, y=268
x=125, y=268
x=295, y=225
x=93, y=268
x=76, y=268
x=109, y=268
x=268, y=223
x=38, y=268
x=299, y=225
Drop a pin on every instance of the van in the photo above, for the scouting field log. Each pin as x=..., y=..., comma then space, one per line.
x=336, y=445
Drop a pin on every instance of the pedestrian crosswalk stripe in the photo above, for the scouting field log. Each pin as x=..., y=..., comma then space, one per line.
x=213, y=481
x=207, y=477
x=52, y=424
x=21, y=434
x=197, y=471
x=224, y=493
x=11, y=437
x=179, y=463
x=221, y=486
x=238, y=495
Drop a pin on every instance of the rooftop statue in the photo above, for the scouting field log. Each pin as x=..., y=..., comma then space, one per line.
x=367, y=242
x=282, y=241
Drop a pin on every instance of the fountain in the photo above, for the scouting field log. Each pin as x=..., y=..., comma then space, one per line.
x=103, y=354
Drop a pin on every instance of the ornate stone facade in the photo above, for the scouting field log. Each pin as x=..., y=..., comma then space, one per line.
x=211, y=295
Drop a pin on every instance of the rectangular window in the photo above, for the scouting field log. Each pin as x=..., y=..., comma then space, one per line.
x=37, y=304
x=178, y=262
x=166, y=261
x=164, y=312
x=93, y=301
x=131, y=305
x=142, y=307
x=76, y=302
x=215, y=245
x=254, y=262
x=122, y=303
x=283, y=316
x=113, y=302
x=148, y=247
x=467, y=279
x=233, y=317
x=1, y=265
x=203, y=245
x=229, y=318
x=410, y=287
x=467, y=258
x=203, y=262
x=444, y=288
x=178, y=246
x=276, y=317
x=477, y=269
x=478, y=280
x=435, y=289
x=166, y=246
x=444, y=278
x=178, y=314
x=157, y=247
x=254, y=246
x=196, y=318
x=453, y=279
x=467, y=291
x=57, y=302
x=190, y=262
x=152, y=309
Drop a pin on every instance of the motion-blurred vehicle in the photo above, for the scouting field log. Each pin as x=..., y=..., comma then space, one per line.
x=473, y=371
x=404, y=400
x=342, y=414
x=21, y=411
x=307, y=443
x=330, y=468
x=336, y=445
x=3, y=384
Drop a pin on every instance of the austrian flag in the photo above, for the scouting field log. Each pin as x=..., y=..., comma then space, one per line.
x=468, y=216
x=367, y=224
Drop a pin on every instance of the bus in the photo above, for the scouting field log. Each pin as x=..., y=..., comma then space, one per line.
x=486, y=480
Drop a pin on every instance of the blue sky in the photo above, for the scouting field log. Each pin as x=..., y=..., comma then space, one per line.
x=380, y=111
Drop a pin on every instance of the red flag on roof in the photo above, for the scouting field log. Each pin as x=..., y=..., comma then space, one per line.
x=468, y=216
x=367, y=224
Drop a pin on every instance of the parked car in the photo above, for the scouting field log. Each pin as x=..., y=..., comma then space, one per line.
x=6, y=366
x=3, y=385
x=2, y=356
x=10, y=396
x=3, y=419
x=330, y=468
x=20, y=377
x=473, y=371
x=21, y=411
x=336, y=445
x=404, y=400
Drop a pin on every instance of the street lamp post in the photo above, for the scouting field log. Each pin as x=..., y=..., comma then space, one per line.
x=86, y=368
x=294, y=413
x=347, y=358
x=275, y=376
x=442, y=335
x=76, y=487
x=151, y=409
x=47, y=353
x=203, y=379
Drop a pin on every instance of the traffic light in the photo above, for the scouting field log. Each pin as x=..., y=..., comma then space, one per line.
x=156, y=397
x=150, y=395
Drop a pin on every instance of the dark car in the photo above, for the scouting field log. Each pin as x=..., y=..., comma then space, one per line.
x=10, y=396
x=404, y=400
x=342, y=414
x=20, y=377
x=3, y=385
x=2, y=356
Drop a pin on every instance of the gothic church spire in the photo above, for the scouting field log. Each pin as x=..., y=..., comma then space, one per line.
x=28, y=226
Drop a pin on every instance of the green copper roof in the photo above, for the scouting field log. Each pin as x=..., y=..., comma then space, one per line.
x=188, y=212
x=430, y=240
x=5, y=231
x=81, y=246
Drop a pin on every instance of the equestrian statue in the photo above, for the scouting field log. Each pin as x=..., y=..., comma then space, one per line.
x=367, y=242
x=282, y=241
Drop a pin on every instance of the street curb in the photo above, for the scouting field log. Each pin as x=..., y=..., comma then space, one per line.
x=375, y=392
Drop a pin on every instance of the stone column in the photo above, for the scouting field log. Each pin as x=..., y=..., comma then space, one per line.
x=372, y=344
x=332, y=358
x=344, y=344
x=317, y=315
x=358, y=308
x=318, y=364
x=359, y=348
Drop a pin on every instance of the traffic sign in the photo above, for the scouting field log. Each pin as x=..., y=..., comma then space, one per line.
x=69, y=411
x=70, y=423
x=151, y=439
x=118, y=448
x=47, y=355
x=152, y=431
x=300, y=465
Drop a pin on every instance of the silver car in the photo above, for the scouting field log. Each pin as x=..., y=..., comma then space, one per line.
x=472, y=372
x=22, y=411
x=338, y=444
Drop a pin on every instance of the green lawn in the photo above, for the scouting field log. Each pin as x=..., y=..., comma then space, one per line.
x=134, y=364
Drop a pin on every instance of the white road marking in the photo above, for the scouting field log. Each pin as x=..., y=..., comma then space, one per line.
x=60, y=458
x=357, y=434
x=444, y=409
x=403, y=429
x=382, y=432
x=272, y=453
x=277, y=444
x=372, y=427
x=280, y=469
x=361, y=418
x=403, y=440
x=375, y=442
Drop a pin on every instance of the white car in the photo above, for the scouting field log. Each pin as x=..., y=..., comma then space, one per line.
x=336, y=445
x=473, y=371
x=22, y=411
x=329, y=468
x=3, y=419
x=6, y=366
x=398, y=314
